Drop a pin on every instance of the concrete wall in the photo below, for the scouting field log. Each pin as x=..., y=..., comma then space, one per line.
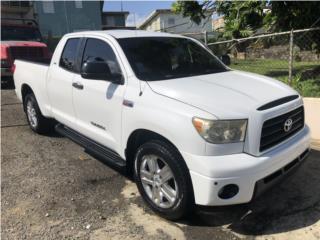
x=280, y=52
x=154, y=25
x=312, y=114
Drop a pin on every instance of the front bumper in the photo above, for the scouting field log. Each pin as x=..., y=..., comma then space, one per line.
x=210, y=173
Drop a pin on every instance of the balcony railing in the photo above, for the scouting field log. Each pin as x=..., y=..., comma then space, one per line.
x=15, y=6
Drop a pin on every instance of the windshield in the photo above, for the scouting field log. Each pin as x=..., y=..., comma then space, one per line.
x=160, y=58
x=20, y=33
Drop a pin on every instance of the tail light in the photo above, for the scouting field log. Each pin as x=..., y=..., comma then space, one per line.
x=13, y=68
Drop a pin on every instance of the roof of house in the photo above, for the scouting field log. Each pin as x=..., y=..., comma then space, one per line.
x=154, y=14
x=157, y=12
x=115, y=13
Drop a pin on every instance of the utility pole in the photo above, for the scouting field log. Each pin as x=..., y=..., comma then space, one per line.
x=205, y=38
x=66, y=16
x=290, y=58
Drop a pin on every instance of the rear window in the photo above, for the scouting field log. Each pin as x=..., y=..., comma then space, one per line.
x=68, y=56
x=20, y=33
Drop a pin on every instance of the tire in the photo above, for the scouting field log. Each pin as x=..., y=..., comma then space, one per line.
x=180, y=202
x=37, y=122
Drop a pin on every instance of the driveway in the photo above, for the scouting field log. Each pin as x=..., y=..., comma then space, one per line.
x=51, y=189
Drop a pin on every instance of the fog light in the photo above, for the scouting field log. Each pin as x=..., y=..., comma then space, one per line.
x=228, y=191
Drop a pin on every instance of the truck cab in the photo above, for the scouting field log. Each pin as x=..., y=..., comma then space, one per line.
x=20, y=39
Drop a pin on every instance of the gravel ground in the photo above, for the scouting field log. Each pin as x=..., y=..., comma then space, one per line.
x=51, y=189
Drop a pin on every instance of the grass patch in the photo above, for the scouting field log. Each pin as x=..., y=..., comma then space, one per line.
x=306, y=75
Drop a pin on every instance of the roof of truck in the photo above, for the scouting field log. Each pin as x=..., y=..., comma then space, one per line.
x=128, y=33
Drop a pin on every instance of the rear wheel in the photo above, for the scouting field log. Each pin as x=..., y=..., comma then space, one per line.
x=163, y=180
x=37, y=122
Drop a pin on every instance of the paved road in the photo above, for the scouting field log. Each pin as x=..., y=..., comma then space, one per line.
x=51, y=189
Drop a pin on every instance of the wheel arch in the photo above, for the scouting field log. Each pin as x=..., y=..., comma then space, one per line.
x=139, y=137
x=25, y=90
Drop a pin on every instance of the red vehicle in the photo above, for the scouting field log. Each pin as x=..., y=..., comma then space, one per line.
x=20, y=39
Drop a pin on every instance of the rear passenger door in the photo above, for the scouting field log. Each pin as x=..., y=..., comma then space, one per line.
x=59, y=82
x=98, y=103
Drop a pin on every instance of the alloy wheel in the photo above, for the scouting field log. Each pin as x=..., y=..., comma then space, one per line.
x=32, y=115
x=158, y=181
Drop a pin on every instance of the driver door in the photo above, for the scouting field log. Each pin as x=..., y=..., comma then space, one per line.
x=98, y=103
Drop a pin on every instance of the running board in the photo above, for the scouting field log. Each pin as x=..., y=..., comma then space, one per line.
x=101, y=152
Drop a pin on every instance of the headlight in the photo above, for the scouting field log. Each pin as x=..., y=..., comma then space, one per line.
x=221, y=131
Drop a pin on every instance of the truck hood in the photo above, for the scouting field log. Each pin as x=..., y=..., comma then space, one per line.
x=229, y=94
x=22, y=44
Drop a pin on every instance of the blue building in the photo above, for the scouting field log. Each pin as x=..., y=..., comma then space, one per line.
x=57, y=18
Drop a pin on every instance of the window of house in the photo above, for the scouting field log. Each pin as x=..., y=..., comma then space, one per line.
x=171, y=21
x=48, y=7
x=119, y=21
x=98, y=50
x=68, y=57
x=78, y=4
x=110, y=21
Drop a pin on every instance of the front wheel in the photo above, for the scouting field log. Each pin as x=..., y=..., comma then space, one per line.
x=163, y=180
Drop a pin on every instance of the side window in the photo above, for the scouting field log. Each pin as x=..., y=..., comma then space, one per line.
x=68, y=56
x=98, y=50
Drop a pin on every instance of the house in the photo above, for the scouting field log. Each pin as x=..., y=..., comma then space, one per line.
x=218, y=24
x=168, y=21
x=57, y=18
x=17, y=9
x=114, y=20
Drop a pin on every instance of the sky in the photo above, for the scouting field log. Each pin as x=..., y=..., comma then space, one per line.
x=139, y=10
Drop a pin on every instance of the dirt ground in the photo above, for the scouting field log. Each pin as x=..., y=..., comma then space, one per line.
x=51, y=189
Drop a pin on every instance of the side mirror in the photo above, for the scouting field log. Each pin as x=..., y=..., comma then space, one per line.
x=225, y=59
x=99, y=70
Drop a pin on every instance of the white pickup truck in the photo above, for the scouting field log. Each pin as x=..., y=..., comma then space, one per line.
x=191, y=130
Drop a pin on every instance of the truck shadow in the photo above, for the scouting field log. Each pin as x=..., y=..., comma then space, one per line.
x=293, y=205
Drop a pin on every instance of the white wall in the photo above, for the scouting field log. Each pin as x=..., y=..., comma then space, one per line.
x=162, y=21
x=189, y=27
x=154, y=25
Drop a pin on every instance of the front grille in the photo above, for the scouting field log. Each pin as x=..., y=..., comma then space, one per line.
x=27, y=53
x=273, y=130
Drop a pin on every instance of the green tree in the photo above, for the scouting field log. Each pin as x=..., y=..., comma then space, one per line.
x=287, y=15
x=241, y=17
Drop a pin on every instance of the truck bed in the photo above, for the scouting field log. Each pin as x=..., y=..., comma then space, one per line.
x=45, y=62
x=33, y=75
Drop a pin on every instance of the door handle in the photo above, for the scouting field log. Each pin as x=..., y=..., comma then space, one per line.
x=77, y=85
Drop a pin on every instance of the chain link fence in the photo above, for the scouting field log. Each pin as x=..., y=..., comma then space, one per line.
x=292, y=57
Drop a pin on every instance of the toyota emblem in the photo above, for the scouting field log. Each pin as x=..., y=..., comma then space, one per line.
x=287, y=125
